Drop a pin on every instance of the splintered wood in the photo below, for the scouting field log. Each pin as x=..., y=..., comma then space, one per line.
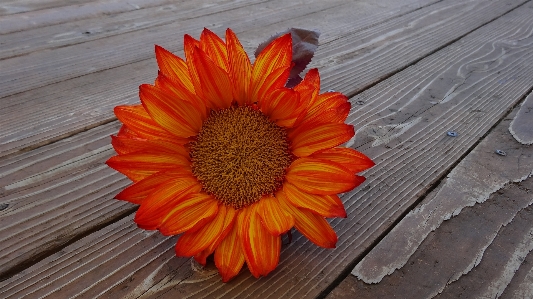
x=431, y=84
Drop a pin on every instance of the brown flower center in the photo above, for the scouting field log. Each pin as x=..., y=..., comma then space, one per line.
x=240, y=155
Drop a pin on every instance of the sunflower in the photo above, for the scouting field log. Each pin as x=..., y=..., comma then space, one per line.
x=221, y=152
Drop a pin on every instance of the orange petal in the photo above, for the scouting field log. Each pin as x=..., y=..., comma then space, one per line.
x=320, y=177
x=347, y=157
x=313, y=227
x=124, y=131
x=261, y=248
x=312, y=137
x=173, y=89
x=137, y=192
x=196, y=209
x=139, y=121
x=275, y=80
x=125, y=145
x=179, y=117
x=215, y=48
x=229, y=256
x=189, y=44
x=139, y=165
x=231, y=213
x=156, y=207
x=275, y=219
x=277, y=55
x=174, y=67
x=325, y=205
x=282, y=106
x=240, y=69
x=192, y=243
x=215, y=82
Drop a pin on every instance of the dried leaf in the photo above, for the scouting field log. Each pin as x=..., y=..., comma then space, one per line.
x=304, y=45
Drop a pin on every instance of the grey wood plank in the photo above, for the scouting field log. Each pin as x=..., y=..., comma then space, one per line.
x=409, y=160
x=17, y=6
x=101, y=26
x=57, y=15
x=108, y=88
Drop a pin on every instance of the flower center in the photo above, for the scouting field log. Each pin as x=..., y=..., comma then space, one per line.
x=240, y=155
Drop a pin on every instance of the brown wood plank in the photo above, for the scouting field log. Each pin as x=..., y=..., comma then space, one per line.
x=17, y=6
x=51, y=16
x=487, y=191
x=53, y=194
x=61, y=35
x=119, y=85
x=38, y=186
x=409, y=161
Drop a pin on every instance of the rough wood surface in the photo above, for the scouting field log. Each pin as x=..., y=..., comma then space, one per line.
x=472, y=181
x=75, y=32
x=475, y=237
x=108, y=88
x=429, y=255
x=55, y=193
x=18, y=6
x=403, y=123
x=57, y=15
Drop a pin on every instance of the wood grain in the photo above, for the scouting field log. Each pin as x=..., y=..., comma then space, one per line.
x=409, y=161
x=57, y=15
x=75, y=32
x=18, y=6
x=118, y=85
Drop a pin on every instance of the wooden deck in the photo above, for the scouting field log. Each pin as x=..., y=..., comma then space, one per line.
x=442, y=101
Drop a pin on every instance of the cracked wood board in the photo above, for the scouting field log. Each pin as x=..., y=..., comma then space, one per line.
x=52, y=186
x=522, y=125
x=472, y=181
x=495, y=236
x=406, y=166
x=479, y=175
x=66, y=13
x=118, y=85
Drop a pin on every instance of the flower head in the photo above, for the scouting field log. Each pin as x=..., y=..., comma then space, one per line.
x=221, y=152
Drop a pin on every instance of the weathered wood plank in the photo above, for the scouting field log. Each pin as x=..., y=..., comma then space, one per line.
x=115, y=86
x=51, y=16
x=479, y=175
x=47, y=172
x=61, y=35
x=471, y=238
x=434, y=255
x=415, y=156
x=17, y=6
x=55, y=193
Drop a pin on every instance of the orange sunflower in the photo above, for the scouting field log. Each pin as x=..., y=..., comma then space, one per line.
x=221, y=152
